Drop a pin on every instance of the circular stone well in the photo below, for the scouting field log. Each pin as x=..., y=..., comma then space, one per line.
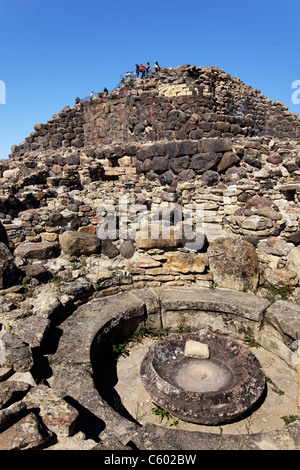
x=212, y=387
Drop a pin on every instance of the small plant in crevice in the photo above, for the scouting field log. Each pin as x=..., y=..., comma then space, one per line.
x=251, y=342
x=275, y=389
x=121, y=349
x=289, y=419
x=163, y=414
x=145, y=331
x=273, y=292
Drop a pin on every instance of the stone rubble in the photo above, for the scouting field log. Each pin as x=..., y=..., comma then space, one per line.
x=189, y=136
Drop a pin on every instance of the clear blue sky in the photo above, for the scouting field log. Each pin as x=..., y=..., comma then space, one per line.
x=53, y=51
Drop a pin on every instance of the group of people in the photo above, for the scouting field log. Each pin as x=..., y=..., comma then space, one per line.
x=145, y=70
x=140, y=70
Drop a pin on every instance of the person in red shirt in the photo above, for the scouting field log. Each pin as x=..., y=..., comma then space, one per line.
x=143, y=70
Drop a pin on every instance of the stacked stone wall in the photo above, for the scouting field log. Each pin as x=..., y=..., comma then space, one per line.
x=182, y=103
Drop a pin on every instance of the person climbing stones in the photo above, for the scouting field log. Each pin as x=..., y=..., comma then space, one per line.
x=156, y=67
x=143, y=69
x=137, y=70
x=148, y=69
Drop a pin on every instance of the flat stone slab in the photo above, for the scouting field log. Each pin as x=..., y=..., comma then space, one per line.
x=82, y=327
x=286, y=316
x=151, y=437
x=242, y=304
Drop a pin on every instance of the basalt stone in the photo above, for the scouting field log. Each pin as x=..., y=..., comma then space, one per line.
x=109, y=249
x=172, y=149
x=210, y=177
x=202, y=162
x=167, y=177
x=187, y=147
x=295, y=238
x=258, y=201
x=229, y=159
x=9, y=273
x=77, y=143
x=3, y=235
x=215, y=145
x=235, y=174
x=291, y=167
x=72, y=159
x=160, y=164
x=274, y=158
x=186, y=175
x=37, y=271
x=196, y=134
x=180, y=163
x=127, y=249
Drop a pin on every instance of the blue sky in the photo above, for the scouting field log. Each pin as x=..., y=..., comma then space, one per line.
x=53, y=51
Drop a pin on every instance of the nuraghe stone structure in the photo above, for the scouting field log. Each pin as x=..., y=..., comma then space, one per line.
x=186, y=136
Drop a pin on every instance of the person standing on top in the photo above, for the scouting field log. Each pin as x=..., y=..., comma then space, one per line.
x=143, y=70
x=148, y=69
x=137, y=70
x=156, y=67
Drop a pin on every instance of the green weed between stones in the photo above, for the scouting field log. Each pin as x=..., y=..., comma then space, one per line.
x=289, y=419
x=145, y=331
x=275, y=389
x=273, y=292
x=163, y=414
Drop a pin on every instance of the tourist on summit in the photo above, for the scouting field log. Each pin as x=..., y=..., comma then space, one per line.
x=105, y=91
x=148, y=69
x=156, y=67
x=121, y=79
x=77, y=101
x=143, y=70
x=137, y=70
x=92, y=95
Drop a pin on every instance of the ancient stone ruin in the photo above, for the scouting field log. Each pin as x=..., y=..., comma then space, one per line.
x=211, y=167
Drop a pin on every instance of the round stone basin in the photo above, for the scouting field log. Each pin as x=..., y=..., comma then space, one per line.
x=210, y=389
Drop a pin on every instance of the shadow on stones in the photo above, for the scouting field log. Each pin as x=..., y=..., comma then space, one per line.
x=104, y=361
x=86, y=421
x=105, y=381
x=41, y=370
